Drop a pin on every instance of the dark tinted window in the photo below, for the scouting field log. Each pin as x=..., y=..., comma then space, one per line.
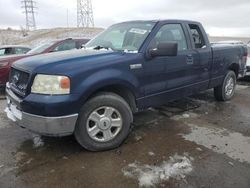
x=6, y=51
x=197, y=36
x=170, y=33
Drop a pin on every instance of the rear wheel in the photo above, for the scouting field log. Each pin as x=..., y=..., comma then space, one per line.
x=104, y=122
x=226, y=90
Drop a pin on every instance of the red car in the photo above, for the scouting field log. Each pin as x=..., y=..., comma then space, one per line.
x=53, y=46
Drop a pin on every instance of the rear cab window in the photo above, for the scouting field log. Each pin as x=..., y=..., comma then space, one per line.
x=197, y=36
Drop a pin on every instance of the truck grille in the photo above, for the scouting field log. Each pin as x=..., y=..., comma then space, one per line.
x=19, y=81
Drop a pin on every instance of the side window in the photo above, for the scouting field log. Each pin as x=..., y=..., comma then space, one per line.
x=197, y=36
x=8, y=51
x=170, y=33
x=67, y=45
x=21, y=50
x=2, y=51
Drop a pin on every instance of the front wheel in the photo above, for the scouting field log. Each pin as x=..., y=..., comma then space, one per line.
x=104, y=122
x=226, y=90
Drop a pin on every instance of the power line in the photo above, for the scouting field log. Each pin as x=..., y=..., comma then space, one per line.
x=85, y=16
x=29, y=7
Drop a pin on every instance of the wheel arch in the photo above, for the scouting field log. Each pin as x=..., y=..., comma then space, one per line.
x=234, y=67
x=126, y=91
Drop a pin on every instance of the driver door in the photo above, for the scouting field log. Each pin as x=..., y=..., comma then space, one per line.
x=169, y=77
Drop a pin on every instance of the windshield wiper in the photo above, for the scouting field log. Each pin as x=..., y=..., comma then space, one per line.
x=102, y=47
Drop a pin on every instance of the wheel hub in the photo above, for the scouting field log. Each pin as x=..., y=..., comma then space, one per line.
x=104, y=124
x=229, y=86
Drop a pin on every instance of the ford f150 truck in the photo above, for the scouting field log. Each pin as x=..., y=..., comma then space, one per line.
x=93, y=93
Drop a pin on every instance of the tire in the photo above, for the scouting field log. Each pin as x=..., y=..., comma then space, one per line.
x=100, y=113
x=226, y=90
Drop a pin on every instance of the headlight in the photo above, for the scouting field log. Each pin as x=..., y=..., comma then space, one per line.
x=3, y=64
x=51, y=85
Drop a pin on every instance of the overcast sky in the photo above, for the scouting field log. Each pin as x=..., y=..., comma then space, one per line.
x=220, y=18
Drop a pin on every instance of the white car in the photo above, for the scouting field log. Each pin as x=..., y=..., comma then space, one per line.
x=233, y=42
x=248, y=58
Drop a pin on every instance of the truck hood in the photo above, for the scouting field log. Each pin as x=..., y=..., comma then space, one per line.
x=61, y=60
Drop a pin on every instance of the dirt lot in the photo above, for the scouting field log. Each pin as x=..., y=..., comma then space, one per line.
x=195, y=142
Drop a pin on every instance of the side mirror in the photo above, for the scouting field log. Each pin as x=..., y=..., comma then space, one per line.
x=165, y=49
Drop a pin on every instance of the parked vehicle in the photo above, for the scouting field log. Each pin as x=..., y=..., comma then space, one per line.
x=248, y=58
x=13, y=49
x=233, y=42
x=52, y=46
x=93, y=93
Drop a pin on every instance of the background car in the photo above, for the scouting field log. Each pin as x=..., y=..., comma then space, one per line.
x=248, y=58
x=48, y=47
x=233, y=42
x=13, y=49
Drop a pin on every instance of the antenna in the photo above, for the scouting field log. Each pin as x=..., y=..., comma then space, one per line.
x=85, y=16
x=29, y=6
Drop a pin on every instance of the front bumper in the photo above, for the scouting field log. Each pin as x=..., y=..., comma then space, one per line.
x=48, y=126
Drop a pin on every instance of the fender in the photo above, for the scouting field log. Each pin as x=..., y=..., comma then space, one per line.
x=105, y=78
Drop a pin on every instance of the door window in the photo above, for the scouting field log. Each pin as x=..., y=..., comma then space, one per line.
x=170, y=33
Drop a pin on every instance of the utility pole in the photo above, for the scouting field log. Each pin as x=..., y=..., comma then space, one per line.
x=67, y=18
x=29, y=7
x=85, y=16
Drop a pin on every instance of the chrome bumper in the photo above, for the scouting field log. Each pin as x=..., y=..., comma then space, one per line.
x=48, y=126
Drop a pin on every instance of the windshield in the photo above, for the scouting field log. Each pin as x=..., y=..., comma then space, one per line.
x=127, y=36
x=40, y=48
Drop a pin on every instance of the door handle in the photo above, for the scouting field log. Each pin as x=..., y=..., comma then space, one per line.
x=136, y=66
x=190, y=59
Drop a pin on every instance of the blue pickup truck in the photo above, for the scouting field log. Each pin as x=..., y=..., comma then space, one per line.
x=93, y=93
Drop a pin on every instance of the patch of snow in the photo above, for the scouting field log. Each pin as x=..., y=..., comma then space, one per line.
x=222, y=141
x=37, y=141
x=199, y=149
x=149, y=176
x=184, y=116
x=151, y=153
